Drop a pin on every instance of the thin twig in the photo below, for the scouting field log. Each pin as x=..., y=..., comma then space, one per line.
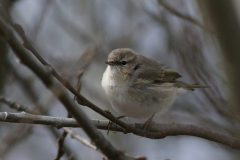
x=80, y=139
x=61, y=149
x=13, y=104
x=79, y=83
x=158, y=131
x=67, y=150
x=60, y=146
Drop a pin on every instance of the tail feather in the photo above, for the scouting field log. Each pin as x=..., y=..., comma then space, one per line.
x=189, y=86
x=196, y=86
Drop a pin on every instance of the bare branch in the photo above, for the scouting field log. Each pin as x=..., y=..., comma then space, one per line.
x=60, y=146
x=160, y=130
x=13, y=105
x=225, y=20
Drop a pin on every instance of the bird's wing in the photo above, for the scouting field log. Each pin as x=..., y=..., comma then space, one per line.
x=158, y=75
x=151, y=74
x=170, y=75
x=153, y=71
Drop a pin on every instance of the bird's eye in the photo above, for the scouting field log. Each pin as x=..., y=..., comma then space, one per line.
x=124, y=63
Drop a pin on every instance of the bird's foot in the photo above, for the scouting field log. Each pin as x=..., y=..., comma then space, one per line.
x=110, y=123
x=146, y=126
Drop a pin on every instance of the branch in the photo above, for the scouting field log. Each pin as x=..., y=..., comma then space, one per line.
x=96, y=136
x=80, y=139
x=160, y=130
x=185, y=17
x=60, y=152
x=13, y=105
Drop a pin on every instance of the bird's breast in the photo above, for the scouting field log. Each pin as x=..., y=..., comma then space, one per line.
x=113, y=83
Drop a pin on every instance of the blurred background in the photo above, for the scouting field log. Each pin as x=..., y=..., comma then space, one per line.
x=78, y=35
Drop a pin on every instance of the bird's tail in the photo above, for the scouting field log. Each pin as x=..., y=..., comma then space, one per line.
x=196, y=86
x=189, y=86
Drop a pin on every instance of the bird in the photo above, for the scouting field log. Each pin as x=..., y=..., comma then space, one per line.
x=139, y=87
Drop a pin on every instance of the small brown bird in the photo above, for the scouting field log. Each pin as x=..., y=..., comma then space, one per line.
x=138, y=86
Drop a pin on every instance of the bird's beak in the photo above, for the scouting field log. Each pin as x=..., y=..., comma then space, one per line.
x=111, y=63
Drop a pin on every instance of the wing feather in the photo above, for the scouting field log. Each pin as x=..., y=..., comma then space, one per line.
x=170, y=75
x=153, y=71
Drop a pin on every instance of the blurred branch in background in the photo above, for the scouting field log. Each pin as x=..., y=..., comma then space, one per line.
x=13, y=105
x=3, y=65
x=184, y=17
x=189, y=49
x=226, y=22
x=16, y=135
x=40, y=19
